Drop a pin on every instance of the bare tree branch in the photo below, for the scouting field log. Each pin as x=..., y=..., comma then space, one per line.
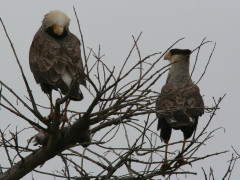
x=117, y=130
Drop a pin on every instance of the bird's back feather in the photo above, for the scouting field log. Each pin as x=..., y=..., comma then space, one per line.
x=179, y=109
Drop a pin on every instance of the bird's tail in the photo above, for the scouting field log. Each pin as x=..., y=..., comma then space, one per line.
x=76, y=93
x=180, y=119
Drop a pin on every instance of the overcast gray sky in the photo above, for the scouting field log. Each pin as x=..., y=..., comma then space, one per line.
x=112, y=23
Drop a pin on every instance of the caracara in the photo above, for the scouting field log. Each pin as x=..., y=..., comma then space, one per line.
x=180, y=103
x=55, y=58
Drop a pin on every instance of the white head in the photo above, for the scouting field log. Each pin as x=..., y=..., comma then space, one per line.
x=57, y=20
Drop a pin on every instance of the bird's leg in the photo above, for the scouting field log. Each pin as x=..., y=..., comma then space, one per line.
x=64, y=117
x=181, y=161
x=52, y=113
x=165, y=164
x=51, y=116
x=183, y=146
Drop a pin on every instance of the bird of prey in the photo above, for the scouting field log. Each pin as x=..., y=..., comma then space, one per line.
x=55, y=59
x=180, y=103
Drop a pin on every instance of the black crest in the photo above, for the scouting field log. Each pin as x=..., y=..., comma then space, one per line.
x=180, y=51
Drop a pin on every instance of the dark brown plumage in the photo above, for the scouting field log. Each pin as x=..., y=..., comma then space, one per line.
x=180, y=103
x=55, y=60
x=55, y=57
x=181, y=109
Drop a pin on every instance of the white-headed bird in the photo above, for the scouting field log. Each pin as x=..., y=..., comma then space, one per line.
x=55, y=58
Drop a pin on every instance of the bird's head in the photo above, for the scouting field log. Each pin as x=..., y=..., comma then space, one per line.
x=56, y=23
x=177, y=54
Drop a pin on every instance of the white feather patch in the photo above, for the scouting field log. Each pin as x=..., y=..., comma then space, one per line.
x=173, y=121
x=67, y=78
x=56, y=18
x=191, y=120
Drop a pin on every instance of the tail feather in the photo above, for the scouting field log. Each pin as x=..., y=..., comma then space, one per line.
x=165, y=129
x=76, y=93
x=180, y=119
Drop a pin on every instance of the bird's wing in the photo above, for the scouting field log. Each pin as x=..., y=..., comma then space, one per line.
x=50, y=58
x=71, y=47
x=178, y=104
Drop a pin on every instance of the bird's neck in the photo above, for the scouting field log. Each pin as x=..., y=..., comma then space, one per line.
x=179, y=74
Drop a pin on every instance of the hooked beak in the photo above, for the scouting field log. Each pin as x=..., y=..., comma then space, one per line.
x=168, y=56
x=58, y=30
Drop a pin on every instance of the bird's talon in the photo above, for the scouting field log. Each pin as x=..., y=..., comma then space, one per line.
x=64, y=118
x=46, y=118
x=50, y=117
